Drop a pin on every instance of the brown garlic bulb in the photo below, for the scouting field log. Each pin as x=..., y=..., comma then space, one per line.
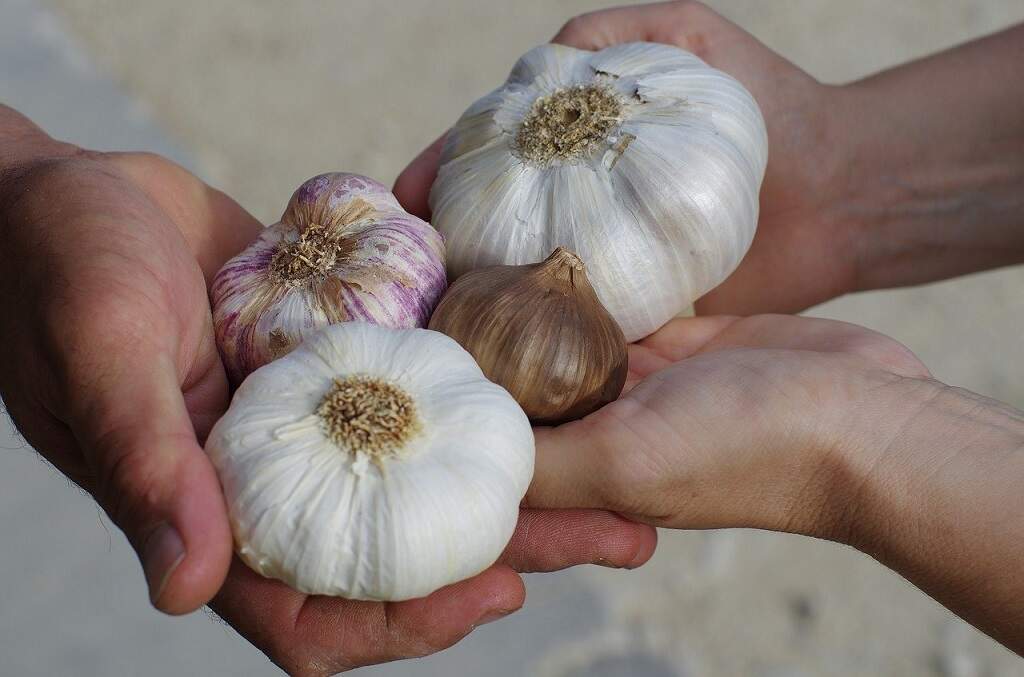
x=540, y=332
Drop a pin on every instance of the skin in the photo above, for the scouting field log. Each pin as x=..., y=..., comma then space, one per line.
x=809, y=426
x=859, y=193
x=812, y=427
x=110, y=371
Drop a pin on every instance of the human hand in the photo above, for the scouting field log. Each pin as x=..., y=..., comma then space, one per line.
x=813, y=427
x=730, y=422
x=800, y=255
x=110, y=370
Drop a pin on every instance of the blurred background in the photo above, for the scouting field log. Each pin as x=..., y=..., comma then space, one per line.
x=256, y=97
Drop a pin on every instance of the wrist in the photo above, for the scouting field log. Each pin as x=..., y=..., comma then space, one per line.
x=857, y=192
x=927, y=186
x=909, y=453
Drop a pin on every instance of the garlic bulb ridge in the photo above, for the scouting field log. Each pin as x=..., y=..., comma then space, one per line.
x=640, y=158
x=372, y=463
x=344, y=250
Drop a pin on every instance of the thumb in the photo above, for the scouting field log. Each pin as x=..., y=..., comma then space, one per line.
x=576, y=466
x=412, y=187
x=154, y=481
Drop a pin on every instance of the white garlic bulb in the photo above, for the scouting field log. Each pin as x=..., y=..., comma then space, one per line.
x=641, y=158
x=344, y=250
x=372, y=463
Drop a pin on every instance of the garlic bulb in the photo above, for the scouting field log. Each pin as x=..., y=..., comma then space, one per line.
x=540, y=332
x=641, y=158
x=372, y=463
x=343, y=250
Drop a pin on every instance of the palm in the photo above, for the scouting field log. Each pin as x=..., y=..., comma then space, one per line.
x=692, y=381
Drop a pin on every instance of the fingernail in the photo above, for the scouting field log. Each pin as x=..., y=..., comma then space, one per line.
x=493, y=615
x=638, y=560
x=162, y=552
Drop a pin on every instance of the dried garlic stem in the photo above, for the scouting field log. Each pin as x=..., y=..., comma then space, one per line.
x=568, y=123
x=363, y=414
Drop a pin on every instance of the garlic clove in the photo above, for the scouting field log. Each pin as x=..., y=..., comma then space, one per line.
x=540, y=332
x=372, y=463
x=344, y=250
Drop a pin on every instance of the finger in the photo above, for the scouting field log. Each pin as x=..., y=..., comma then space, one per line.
x=412, y=187
x=576, y=465
x=665, y=22
x=676, y=340
x=151, y=476
x=786, y=332
x=323, y=635
x=550, y=540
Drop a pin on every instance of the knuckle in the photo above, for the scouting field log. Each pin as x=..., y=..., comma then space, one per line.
x=573, y=28
x=299, y=666
x=586, y=31
x=143, y=161
x=294, y=654
x=148, y=170
x=893, y=355
x=429, y=641
x=689, y=10
x=688, y=24
x=417, y=641
x=906, y=362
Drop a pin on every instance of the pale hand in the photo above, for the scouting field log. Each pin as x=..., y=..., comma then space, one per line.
x=813, y=427
x=726, y=422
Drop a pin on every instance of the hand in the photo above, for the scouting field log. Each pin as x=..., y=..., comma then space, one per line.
x=800, y=255
x=733, y=422
x=109, y=366
x=110, y=370
x=813, y=427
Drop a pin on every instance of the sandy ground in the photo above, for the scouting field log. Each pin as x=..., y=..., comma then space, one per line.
x=257, y=97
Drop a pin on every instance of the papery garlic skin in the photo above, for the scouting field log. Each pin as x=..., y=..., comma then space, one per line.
x=335, y=521
x=540, y=332
x=662, y=206
x=389, y=270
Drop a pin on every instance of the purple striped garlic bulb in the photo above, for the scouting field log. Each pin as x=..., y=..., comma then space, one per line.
x=344, y=250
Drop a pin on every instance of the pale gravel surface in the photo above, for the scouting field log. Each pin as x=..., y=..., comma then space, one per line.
x=261, y=97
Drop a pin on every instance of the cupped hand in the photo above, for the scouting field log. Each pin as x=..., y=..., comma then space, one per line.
x=110, y=370
x=801, y=254
x=728, y=422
